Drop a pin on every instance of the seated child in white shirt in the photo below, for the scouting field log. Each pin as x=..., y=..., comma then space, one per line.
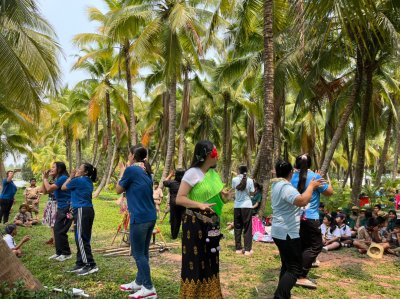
x=330, y=234
x=11, y=232
x=345, y=231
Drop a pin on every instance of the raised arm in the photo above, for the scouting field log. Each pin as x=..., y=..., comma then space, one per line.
x=303, y=199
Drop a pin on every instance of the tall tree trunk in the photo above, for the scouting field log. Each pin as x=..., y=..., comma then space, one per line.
x=96, y=142
x=184, y=117
x=226, y=142
x=68, y=150
x=280, y=100
x=165, y=121
x=365, y=107
x=382, y=159
x=346, y=114
x=109, y=147
x=266, y=148
x=171, y=129
x=352, y=150
x=13, y=270
x=112, y=164
x=131, y=106
x=78, y=152
x=397, y=145
x=2, y=170
x=347, y=149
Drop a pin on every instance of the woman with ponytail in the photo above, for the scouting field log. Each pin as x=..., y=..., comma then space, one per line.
x=136, y=181
x=243, y=208
x=80, y=183
x=310, y=232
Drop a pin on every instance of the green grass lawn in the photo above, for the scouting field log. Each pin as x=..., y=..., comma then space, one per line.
x=344, y=274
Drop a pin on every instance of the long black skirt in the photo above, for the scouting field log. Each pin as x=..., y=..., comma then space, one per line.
x=200, y=265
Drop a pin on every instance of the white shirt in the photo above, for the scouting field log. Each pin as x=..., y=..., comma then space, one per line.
x=10, y=241
x=242, y=198
x=193, y=175
x=326, y=232
x=345, y=230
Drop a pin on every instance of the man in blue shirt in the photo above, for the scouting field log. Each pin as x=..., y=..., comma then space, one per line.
x=7, y=196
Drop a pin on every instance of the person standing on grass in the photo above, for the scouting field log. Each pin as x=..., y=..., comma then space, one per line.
x=286, y=202
x=136, y=181
x=310, y=232
x=201, y=193
x=7, y=196
x=32, y=197
x=243, y=210
x=176, y=212
x=50, y=215
x=62, y=224
x=80, y=183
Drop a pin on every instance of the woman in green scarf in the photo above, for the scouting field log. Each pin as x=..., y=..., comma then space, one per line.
x=201, y=192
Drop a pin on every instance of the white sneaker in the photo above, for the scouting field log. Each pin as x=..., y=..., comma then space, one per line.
x=53, y=257
x=144, y=293
x=249, y=252
x=128, y=287
x=63, y=258
x=325, y=249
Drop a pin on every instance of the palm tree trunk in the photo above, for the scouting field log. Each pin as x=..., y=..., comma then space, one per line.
x=184, y=118
x=13, y=270
x=346, y=114
x=397, y=146
x=131, y=107
x=2, y=170
x=78, y=152
x=112, y=166
x=171, y=129
x=280, y=100
x=359, y=172
x=96, y=142
x=226, y=156
x=68, y=149
x=382, y=159
x=266, y=148
x=109, y=147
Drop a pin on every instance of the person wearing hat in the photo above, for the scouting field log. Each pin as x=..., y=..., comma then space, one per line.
x=24, y=217
x=11, y=232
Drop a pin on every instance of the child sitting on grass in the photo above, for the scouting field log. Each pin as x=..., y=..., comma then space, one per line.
x=368, y=234
x=345, y=231
x=11, y=232
x=24, y=217
x=330, y=234
x=394, y=239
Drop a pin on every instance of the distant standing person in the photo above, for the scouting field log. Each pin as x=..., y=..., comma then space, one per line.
x=137, y=182
x=7, y=196
x=243, y=211
x=63, y=222
x=80, y=183
x=32, y=197
x=49, y=215
x=176, y=212
x=310, y=232
x=157, y=196
x=286, y=202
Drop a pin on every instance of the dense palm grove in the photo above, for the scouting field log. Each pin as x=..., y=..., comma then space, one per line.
x=261, y=79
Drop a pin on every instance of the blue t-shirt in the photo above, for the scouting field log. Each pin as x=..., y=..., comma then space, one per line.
x=63, y=197
x=81, y=192
x=139, y=193
x=312, y=209
x=8, y=191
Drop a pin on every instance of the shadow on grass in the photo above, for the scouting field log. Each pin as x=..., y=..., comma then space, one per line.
x=353, y=271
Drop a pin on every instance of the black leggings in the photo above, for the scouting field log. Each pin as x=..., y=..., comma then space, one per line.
x=311, y=243
x=5, y=208
x=290, y=252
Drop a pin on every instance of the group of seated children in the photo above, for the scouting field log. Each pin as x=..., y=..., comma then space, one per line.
x=360, y=229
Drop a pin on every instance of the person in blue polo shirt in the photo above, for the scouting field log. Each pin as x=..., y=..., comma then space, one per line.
x=7, y=196
x=136, y=181
x=310, y=232
x=80, y=182
x=63, y=222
